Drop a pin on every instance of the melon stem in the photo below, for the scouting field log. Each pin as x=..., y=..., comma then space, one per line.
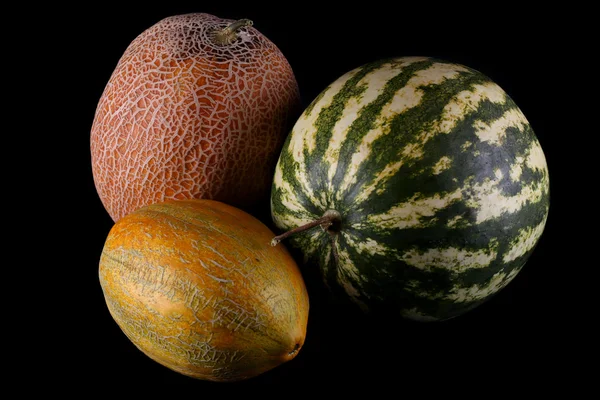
x=229, y=34
x=325, y=222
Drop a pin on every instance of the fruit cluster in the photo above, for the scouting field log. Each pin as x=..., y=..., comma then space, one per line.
x=415, y=184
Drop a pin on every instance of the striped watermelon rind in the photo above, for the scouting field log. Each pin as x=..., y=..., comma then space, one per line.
x=440, y=182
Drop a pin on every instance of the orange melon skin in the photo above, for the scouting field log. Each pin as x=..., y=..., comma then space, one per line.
x=196, y=286
x=182, y=117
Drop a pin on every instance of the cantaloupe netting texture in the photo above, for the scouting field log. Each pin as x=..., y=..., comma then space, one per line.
x=183, y=116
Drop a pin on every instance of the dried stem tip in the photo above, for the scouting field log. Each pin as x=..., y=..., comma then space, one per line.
x=229, y=34
x=327, y=222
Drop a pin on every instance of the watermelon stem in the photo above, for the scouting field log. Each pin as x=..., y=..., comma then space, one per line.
x=229, y=34
x=330, y=219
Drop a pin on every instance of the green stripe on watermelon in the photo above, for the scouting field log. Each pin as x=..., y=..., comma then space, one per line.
x=441, y=187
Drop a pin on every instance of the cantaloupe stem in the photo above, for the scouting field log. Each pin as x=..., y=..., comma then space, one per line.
x=326, y=222
x=229, y=34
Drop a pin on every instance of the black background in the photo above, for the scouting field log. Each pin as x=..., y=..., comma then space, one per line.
x=529, y=333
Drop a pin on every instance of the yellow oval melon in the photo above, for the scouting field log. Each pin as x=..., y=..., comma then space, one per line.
x=196, y=286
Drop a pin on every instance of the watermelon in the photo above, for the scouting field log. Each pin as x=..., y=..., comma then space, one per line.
x=424, y=184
